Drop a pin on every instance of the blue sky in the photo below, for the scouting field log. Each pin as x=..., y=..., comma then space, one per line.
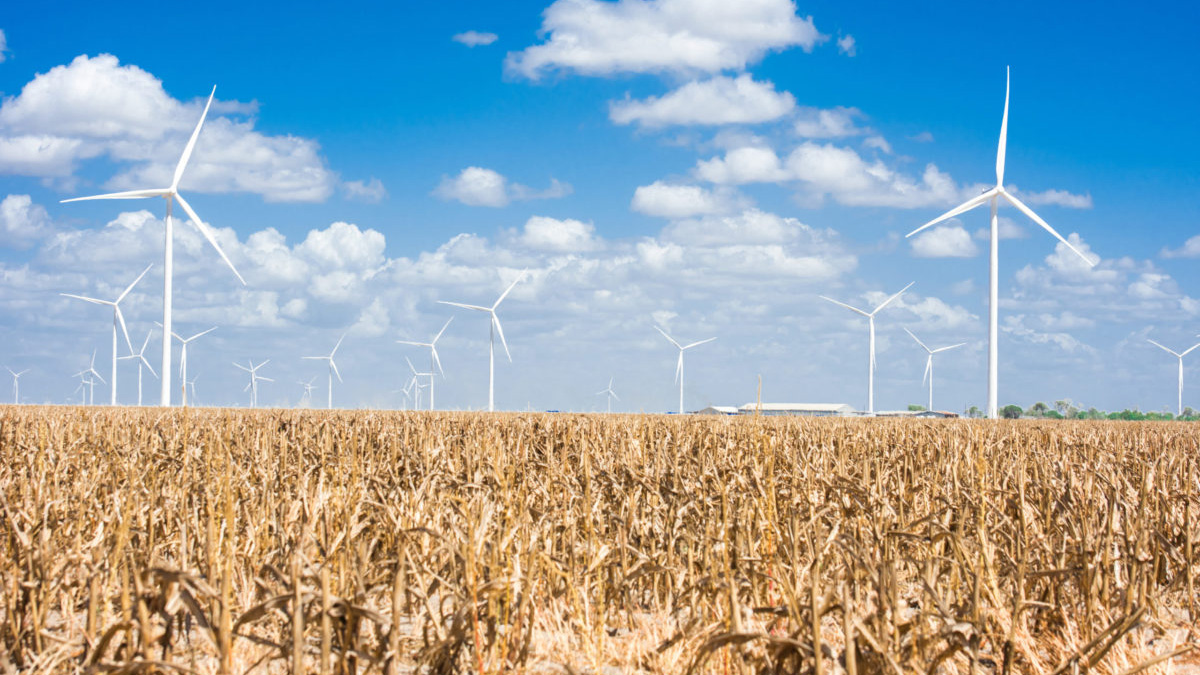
x=711, y=167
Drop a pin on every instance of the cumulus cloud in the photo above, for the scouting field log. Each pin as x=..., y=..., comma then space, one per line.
x=594, y=37
x=944, y=241
x=1190, y=249
x=370, y=191
x=667, y=200
x=836, y=122
x=473, y=38
x=847, y=46
x=22, y=223
x=3, y=47
x=1055, y=198
x=720, y=100
x=477, y=186
x=95, y=107
x=1016, y=326
x=562, y=236
x=1008, y=229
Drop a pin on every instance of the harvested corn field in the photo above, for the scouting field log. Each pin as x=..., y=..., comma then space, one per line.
x=219, y=541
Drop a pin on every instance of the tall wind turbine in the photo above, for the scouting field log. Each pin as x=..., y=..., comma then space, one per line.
x=16, y=384
x=993, y=196
x=171, y=194
x=679, y=363
x=612, y=394
x=493, y=329
x=141, y=358
x=254, y=378
x=929, y=362
x=434, y=361
x=118, y=319
x=871, y=356
x=333, y=370
x=90, y=372
x=1180, y=356
x=183, y=360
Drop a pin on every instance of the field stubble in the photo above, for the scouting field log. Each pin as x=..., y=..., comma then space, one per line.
x=219, y=541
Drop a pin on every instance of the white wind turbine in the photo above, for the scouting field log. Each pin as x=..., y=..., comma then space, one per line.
x=183, y=359
x=16, y=384
x=492, y=330
x=141, y=358
x=679, y=363
x=118, y=319
x=929, y=362
x=191, y=384
x=171, y=194
x=433, y=356
x=612, y=394
x=254, y=379
x=1180, y=356
x=333, y=369
x=416, y=382
x=871, y=344
x=82, y=389
x=993, y=196
x=90, y=371
x=308, y=389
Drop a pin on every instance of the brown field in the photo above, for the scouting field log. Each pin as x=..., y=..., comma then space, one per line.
x=215, y=541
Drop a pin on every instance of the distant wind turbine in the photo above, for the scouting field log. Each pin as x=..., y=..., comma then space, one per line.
x=90, y=371
x=416, y=382
x=679, y=363
x=183, y=360
x=308, y=389
x=612, y=394
x=254, y=379
x=493, y=330
x=191, y=384
x=993, y=196
x=871, y=356
x=929, y=362
x=141, y=358
x=333, y=369
x=16, y=384
x=1179, y=355
x=118, y=319
x=171, y=194
x=434, y=361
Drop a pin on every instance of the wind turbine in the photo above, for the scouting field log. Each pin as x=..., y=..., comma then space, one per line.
x=191, y=384
x=254, y=378
x=171, y=194
x=332, y=367
x=433, y=356
x=679, y=364
x=871, y=360
x=929, y=362
x=416, y=380
x=118, y=318
x=183, y=359
x=308, y=389
x=82, y=389
x=612, y=394
x=91, y=371
x=1180, y=356
x=16, y=384
x=993, y=196
x=493, y=329
x=141, y=357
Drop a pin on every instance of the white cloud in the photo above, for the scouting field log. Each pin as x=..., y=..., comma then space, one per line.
x=477, y=186
x=847, y=46
x=22, y=223
x=944, y=241
x=827, y=122
x=1008, y=228
x=371, y=191
x=1015, y=325
x=1190, y=249
x=667, y=200
x=1055, y=198
x=3, y=46
x=95, y=107
x=561, y=236
x=742, y=165
x=591, y=37
x=473, y=38
x=878, y=143
x=923, y=137
x=720, y=100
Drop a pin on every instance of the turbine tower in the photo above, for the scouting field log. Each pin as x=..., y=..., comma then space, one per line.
x=118, y=319
x=679, y=363
x=993, y=196
x=611, y=394
x=90, y=371
x=254, y=379
x=493, y=329
x=871, y=356
x=433, y=356
x=141, y=357
x=1179, y=355
x=333, y=369
x=929, y=362
x=183, y=361
x=16, y=384
x=171, y=194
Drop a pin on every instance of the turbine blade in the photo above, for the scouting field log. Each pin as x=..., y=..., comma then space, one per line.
x=1046, y=226
x=928, y=366
x=437, y=361
x=1171, y=351
x=1003, y=133
x=910, y=334
x=443, y=330
x=411, y=366
x=697, y=344
x=1185, y=353
x=459, y=304
x=94, y=301
x=335, y=370
x=187, y=151
x=129, y=194
x=898, y=294
x=852, y=309
x=266, y=379
x=415, y=344
x=679, y=366
x=200, y=333
x=961, y=208
x=943, y=349
x=509, y=289
x=614, y=394
x=335, y=347
x=148, y=367
x=500, y=331
x=249, y=385
x=124, y=330
x=135, y=282
x=93, y=371
x=664, y=334
x=238, y=365
x=208, y=234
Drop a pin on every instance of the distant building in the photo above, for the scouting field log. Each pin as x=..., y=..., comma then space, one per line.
x=800, y=409
x=921, y=414
x=718, y=410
